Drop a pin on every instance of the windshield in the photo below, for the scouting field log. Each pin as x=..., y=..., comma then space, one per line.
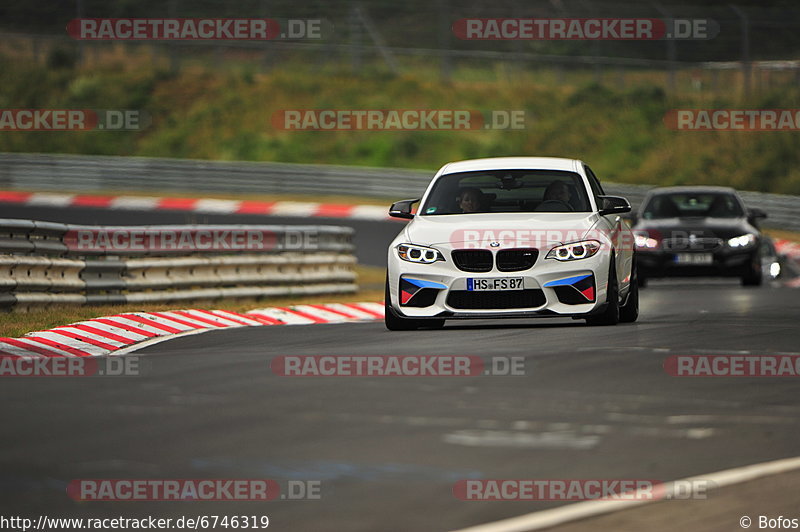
x=684, y=205
x=507, y=191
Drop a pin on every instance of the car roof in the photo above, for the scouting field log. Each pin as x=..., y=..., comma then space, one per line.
x=690, y=189
x=510, y=163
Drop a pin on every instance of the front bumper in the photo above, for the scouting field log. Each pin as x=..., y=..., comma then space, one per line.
x=550, y=288
x=725, y=263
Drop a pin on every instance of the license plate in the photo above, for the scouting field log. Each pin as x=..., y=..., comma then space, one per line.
x=694, y=258
x=501, y=283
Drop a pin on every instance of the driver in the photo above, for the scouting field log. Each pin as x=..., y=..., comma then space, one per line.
x=556, y=193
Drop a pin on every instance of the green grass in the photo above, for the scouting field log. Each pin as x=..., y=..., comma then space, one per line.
x=226, y=115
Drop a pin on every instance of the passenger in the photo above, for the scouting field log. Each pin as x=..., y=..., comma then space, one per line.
x=470, y=200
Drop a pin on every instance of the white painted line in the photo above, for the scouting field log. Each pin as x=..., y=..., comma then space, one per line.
x=135, y=203
x=164, y=321
x=521, y=440
x=294, y=208
x=87, y=334
x=369, y=212
x=217, y=206
x=374, y=307
x=133, y=323
x=583, y=510
x=18, y=351
x=55, y=200
x=232, y=316
x=320, y=313
x=197, y=323
x=55, y=336
x=206, y=315
x=360, y=314
x=114, y=330
x=287, y=317
x=27, y=340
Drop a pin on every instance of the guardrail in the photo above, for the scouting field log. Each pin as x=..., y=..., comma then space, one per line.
x=79, y=173
x=45, y=263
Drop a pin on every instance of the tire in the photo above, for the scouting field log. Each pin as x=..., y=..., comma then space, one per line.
x=629, y=312
x=754, y=278
x=641, y=280
x=610, y=315
x=394, y=322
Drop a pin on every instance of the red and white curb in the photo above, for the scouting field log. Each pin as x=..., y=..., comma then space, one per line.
x=791, y=250
x=206, y=206
x=788, y=248
x=123, y=333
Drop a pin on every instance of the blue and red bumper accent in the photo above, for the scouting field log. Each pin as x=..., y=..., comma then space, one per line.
x=575, y=290
x=418, y=292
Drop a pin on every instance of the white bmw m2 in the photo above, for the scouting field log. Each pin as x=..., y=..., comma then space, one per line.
x=512, y=237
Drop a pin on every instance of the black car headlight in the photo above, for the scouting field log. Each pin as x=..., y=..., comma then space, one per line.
x=643, y=241
x=742, y=241
x=574, y=251
x=418, y=254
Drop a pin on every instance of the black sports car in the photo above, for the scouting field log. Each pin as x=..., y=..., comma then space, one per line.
x=703, y=231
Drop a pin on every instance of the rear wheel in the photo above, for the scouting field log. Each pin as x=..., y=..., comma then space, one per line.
x=610, y=315
x=629, y=312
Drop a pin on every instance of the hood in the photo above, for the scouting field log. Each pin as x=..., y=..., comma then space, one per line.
x=700, y=227
x=479, y=230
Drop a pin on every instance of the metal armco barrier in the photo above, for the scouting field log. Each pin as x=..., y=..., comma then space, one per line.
x=44, y=263
x=82, y=173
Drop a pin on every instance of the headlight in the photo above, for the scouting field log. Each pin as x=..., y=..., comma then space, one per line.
x=644, y=241
x=742, y=241
x=574, y=251
x=422, y=254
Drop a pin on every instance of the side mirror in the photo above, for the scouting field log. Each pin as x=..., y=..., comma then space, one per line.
x=402, y=209
x=754, y=213
x=614, y=205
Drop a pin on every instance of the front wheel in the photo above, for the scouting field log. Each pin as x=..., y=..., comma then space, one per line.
x=753, y=278
x=629, y=312
x=610, y=315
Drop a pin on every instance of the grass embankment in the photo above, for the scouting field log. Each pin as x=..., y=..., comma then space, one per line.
x=226, y=115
